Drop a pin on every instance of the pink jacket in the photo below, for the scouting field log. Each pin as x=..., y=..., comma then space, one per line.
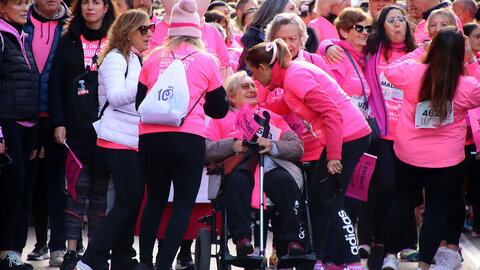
x=317, y=99
x=430, y=147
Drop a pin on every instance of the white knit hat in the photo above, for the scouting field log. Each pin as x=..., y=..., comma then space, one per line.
x=184, y=20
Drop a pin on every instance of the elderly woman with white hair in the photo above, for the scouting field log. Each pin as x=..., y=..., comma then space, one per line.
x=282, y=180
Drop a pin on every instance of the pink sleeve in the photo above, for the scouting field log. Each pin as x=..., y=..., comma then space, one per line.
x=473, y=69
x=400, y=73
x=212, y=130
x=318, y=61
x=322, y=48
x=222, y=51
x=331, y=119
x=214, y=77
x=1, y=133
x=471, y=92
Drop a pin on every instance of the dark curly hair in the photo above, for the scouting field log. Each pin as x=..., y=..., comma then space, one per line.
x=379, y=36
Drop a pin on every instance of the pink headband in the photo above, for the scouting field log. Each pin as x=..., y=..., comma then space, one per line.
x=269, y=47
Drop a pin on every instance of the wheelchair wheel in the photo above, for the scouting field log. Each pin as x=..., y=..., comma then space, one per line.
x=202, y=250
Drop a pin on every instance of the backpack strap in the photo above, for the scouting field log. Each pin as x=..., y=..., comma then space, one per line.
x=3, y=42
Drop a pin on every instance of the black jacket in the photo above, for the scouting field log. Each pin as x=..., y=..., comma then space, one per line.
x=67, y=64
x=19, y=94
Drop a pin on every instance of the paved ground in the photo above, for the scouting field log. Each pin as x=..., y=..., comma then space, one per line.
x=470, y=247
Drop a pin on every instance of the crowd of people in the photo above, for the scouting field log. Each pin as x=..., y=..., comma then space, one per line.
x=338, y=78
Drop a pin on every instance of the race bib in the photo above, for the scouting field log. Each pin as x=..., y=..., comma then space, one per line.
x=426, y=117
x=390, y=92
x=359, y=101
x=273, y=135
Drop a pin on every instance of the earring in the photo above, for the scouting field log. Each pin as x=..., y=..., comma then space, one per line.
x=264, y=73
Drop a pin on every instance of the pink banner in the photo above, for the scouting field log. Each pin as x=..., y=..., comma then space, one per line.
x=358, y=188
x=475, y=126
x=245, y=122
x=72, y=169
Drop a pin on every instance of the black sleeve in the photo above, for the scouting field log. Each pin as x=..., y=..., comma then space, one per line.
x=141, y=93
x=312, y=43
x=56, y=88
x=216, y=103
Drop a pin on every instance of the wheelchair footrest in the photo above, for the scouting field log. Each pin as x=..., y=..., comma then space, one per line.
x=245, y=262
x=292, y=261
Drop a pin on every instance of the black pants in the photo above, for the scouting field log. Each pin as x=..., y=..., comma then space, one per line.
x=282, y=190
x=167, y=157
x=380, y=200
x=118, y=228
x=45, y=188
x=472, y=170
x=19, y=143
x=327, y=208
x=444, y=207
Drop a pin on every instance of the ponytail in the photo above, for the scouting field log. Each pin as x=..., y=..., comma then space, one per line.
x=268, y=53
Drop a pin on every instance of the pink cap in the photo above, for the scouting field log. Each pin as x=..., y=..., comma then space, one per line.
x=184, y=20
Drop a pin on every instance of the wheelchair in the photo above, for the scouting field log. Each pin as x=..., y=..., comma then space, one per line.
x=213, y=242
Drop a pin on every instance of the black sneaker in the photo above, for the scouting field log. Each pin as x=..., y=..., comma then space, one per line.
x=69, y=260
x=14, y=262
x=39, y=253
x=375, y=259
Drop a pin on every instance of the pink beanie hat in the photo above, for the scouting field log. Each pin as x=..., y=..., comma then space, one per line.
x=184, y=20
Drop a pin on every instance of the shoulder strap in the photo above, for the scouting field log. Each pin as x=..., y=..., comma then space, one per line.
x=358, y=74
x=3, y=42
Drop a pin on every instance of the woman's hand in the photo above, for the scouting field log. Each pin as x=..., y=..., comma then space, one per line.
x=59, y=134
x=426, y=45
x=334, y=166
x=469, y=57
x=267, y=143
x=334, y=54
x=238, y=147
x=2, y=146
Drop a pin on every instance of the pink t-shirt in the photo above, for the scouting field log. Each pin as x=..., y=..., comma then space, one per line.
x=215, y=44
x=43, y=36
x=159, y=36
x=324, y=29
x=111, y=145
x=202, y=75
x=430, y=147
x=89, y=49
x=392, y=95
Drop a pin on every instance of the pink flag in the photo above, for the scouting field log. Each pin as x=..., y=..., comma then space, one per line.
x=246, y=123
x=474, y=115
x=362, y=174
x=72, y=169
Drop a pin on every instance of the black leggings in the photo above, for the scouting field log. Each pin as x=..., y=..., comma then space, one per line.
x=167, y=157
x=282, y=190
x=327, y=210
x=19, y=143
x=118, y=227
x=444, y=207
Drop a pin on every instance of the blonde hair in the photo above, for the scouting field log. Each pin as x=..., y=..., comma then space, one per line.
x=258, y=54
x=445, y=13
x=173, y=42
x=119, y=34
x=231, y=83
x=284, y=19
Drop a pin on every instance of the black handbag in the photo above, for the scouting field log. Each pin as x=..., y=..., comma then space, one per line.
x=372, y=122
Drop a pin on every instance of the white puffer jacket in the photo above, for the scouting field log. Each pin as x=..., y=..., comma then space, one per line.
x=119, y=123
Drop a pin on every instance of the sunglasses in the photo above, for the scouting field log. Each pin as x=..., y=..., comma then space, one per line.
x=359, y=28
x=399, y=19
x=144, y=29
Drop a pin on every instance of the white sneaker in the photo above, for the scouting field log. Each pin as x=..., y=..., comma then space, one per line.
x=56, y=258
x=439, y=253
x=448, y=260
x=83, y=266
x=390, y=262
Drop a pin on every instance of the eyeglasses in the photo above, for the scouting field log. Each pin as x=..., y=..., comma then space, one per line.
x=399, y=19
x=359, y=28
x=144, y=29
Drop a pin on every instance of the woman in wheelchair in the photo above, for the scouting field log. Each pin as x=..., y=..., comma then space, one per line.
x=282, y=181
